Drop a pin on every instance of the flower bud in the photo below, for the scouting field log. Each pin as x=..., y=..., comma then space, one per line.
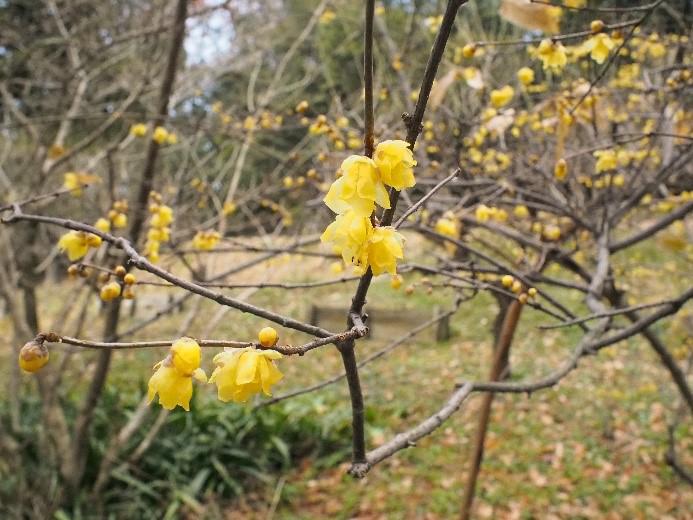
x=129, y=279
x=596, y=26
x=268, y=337
x=120, y=271
x=33, y=356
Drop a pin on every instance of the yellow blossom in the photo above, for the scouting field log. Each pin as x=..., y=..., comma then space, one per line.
x=186, y=355
x=77, y=243
x=138, y=130
x=482, y=213
x=172, y=378
x=162, y=217
x=337, y=267
x=395, y=162
x=206, y=240
x=448, y=226
x=75, y=181
x=396, y=281
x=525, y=76
x=600, y=45
x=358, y=189
x=103, y=225
x=507, y=280
x=349, y=235
x=551, y=232
x=606, y=160
x=502, y=96
x=229, y=208
x=521, y=211
x=552, y=55
x=385, y=247
x=120, y=220
x=244, y=372
x=160, y=135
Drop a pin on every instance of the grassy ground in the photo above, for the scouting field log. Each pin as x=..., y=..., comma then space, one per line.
x=592, y=447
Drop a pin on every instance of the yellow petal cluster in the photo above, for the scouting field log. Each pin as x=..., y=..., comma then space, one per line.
x=606, y=160
x=244, y=372
x=552, y=55
x=449, y=226
x=385, y=248
x=172, y=379
x=599, y=46
x=349, y=235
x=502, y=96
x=162, y=217
x=395, y=162
x=358, y=189
x=525, y=76
x=110, y=291
x=77, y=243
x=206, y=240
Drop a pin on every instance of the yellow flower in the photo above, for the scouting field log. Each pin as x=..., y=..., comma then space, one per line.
x=160, y=135
x=71, y=182
x=103, y=225
x=172, y=378
x=349, y=234
x=384, y=249
x=206, y=240
x=552, y=232
x=337, y=267
x=172, y=138
x=186, y=355
x=229, y=208
x=606, y=160
x=552, y=55
x=268, y=337
x=521, y=211
x=395, y=162
x=245, y=372
x=77, y=243
x=120, y=220
x=138, y=130
x=33, y=356
x=469, y=50
x=56, y=151
x=162, y=217
x=525, y=76
x=574, y=3
x=600, y=45
x=174, y=389
x=560, y=170
x=502, y=96
x=110, y=291
x=358, y=189
x=448, y=226
x=507, y=280
x=482, y=213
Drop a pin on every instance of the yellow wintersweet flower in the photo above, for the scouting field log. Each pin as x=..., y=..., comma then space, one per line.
x=172, y=378
x=395, y=162
x=448, y=225
x=71, y=182
x=482, y=213
x=162, y=217
x=186, y=355
x=268, y=337
x=138, y=130
x=245, y=372
x=206, y=240
x=120, y=220
x=551, y=232
x=33, y=356
x=384, y=249
x=359, y=188
x=525, y=76
x=502, y=96
x=160, y=135
x=552, y=55
x=600, y=45
x=606, y=160
x=103, y=225
x=349, y=235
x=77, y=243
x=521, y=211
x=574, y=3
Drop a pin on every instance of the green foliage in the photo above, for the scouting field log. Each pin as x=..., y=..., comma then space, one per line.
x=214, y=453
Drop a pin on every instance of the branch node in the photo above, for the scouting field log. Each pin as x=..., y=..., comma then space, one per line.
x=359, y=469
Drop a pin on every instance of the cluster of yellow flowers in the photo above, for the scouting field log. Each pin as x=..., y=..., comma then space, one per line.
x=484, y=213
x=206, y=240
x=509, y=282
x=239, y=373
x=77, y=243
x=160, y=134
x=337, y=131
x=75, y=181
x=353, y=197
x=159, y=230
